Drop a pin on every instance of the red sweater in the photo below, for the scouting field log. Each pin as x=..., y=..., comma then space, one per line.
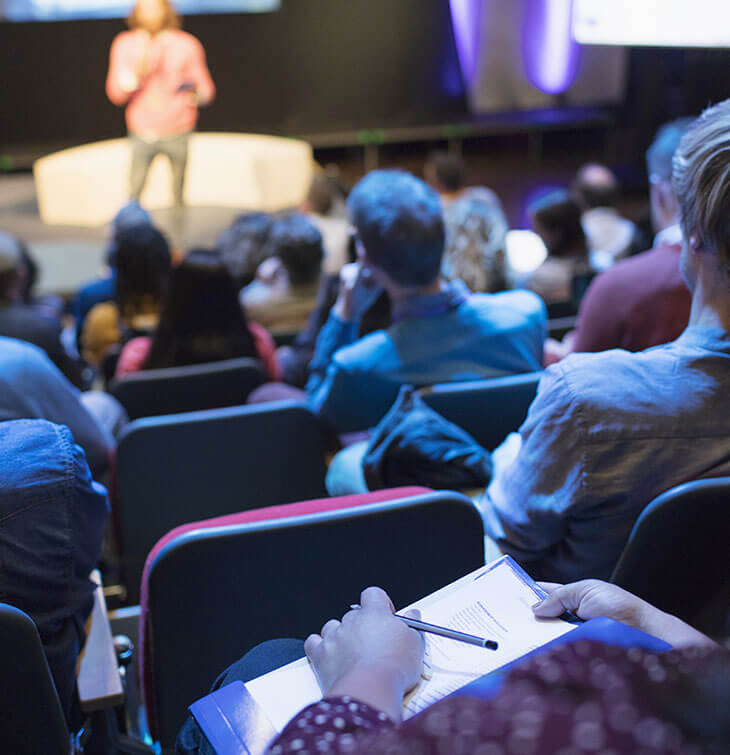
x=161, y=65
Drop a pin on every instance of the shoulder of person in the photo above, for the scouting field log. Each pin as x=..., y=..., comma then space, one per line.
x=371, y=353
x=519, y=300
x=186, y=37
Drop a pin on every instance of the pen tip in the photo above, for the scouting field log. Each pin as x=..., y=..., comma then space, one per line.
x=490, y=645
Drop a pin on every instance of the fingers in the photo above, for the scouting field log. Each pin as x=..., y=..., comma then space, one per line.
x=329, y=628
x=375, y=597
x=562, y=598
x=311, y=644
x=549, y=586
x=412, y=613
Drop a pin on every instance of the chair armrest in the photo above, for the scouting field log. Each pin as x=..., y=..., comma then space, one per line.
x=98, y=680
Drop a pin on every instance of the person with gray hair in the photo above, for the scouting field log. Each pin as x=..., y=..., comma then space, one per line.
x=476, y=229
x=609, y=432
x=642, y=301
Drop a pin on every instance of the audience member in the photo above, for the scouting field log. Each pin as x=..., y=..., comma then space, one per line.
x=242, y=246
x=285, y=290
x=31, y=387
x=577, y=696
x=319, y=207
x=440, y=332
x=556, y=219
x=609, y=235
x=21, y=320
x=101, y=289
x=445, y=172
x=610, y=431
x=642, y=301
x=142, y=260
x=475, y=243
x=52, y=518
x=201, y=321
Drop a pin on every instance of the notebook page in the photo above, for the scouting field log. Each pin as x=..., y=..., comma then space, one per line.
x=494, y=601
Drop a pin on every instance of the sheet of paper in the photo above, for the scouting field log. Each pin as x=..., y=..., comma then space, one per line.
x=494, y=602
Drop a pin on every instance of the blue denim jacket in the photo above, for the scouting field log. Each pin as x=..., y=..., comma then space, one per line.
x=52, y=518
x=606, y=434
x=444, y=337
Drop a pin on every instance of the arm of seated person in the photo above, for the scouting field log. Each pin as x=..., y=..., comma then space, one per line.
x=590, y=598
x=537, y=480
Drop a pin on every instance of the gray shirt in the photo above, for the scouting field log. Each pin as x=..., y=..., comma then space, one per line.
x=605, y=435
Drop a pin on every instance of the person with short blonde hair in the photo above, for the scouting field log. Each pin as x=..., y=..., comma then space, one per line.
x=609, y=432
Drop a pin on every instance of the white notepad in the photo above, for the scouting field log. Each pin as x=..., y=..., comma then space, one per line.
x=494, y=602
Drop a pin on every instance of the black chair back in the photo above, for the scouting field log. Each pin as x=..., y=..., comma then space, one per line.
x=214, y=594
x=151, y=393
x=32, y=719
x=186, y=467
x=677, y=557
x=487, y=409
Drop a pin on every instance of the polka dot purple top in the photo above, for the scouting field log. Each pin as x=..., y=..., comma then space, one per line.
x=583, y=697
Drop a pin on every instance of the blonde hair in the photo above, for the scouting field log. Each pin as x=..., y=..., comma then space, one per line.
x=172, y=19
x=701, y=181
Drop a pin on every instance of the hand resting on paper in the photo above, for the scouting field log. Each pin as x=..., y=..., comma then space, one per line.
x=370, y=655
x=590, y=598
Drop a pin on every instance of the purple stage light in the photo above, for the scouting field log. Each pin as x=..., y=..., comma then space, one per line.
x=465, y=20
x=549, y=52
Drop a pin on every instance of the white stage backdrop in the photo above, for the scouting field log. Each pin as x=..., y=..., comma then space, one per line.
x=60, y=10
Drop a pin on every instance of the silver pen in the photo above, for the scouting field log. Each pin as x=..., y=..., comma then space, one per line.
x=450, y=634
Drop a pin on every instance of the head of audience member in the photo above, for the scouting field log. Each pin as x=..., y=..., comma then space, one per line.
x=11, y=267
x=242, y=246
x=400, y=229
x=294, y=253
x=475, y=243
x=132, y=214
x=320, y=197
x=445, y=172
x=664, y=205
x=595, y=185
x=556, y=218
x=201, y=320
x=153, y=16
x=701, y=180
x=143, y=265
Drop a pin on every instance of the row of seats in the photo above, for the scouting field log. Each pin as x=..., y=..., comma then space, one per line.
x=257, y=574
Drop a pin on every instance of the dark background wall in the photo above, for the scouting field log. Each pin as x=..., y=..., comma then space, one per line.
x=314, y=66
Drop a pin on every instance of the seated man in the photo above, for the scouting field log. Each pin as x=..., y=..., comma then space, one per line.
x=609, y=432
x=24, y=321
x=285, y=290
x=32, y=388
x=440, y=332
x=642, y=301
x=52, y=518
x=610, y=236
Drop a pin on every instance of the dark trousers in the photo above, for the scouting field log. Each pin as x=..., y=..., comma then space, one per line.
x=175, y=148
x=260, y=660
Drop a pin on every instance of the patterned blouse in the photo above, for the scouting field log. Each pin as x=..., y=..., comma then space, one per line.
x=583, y=697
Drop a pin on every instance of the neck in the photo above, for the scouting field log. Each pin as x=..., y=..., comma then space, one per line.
x=400, y=294
x=710, y=300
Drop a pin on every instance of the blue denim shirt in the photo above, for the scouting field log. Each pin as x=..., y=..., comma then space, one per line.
x=606, y=434
x=444, y=337
x=52, y=518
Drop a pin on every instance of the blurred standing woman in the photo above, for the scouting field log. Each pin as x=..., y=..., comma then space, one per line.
x=159, y=72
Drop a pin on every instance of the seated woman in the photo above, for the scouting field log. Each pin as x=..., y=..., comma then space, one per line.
x=201, y=321
x=577, y=697
x=556, y=219
x=143, y=265
x=476, y=228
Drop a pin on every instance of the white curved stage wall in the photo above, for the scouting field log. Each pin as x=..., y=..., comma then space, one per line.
x=85, y=186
